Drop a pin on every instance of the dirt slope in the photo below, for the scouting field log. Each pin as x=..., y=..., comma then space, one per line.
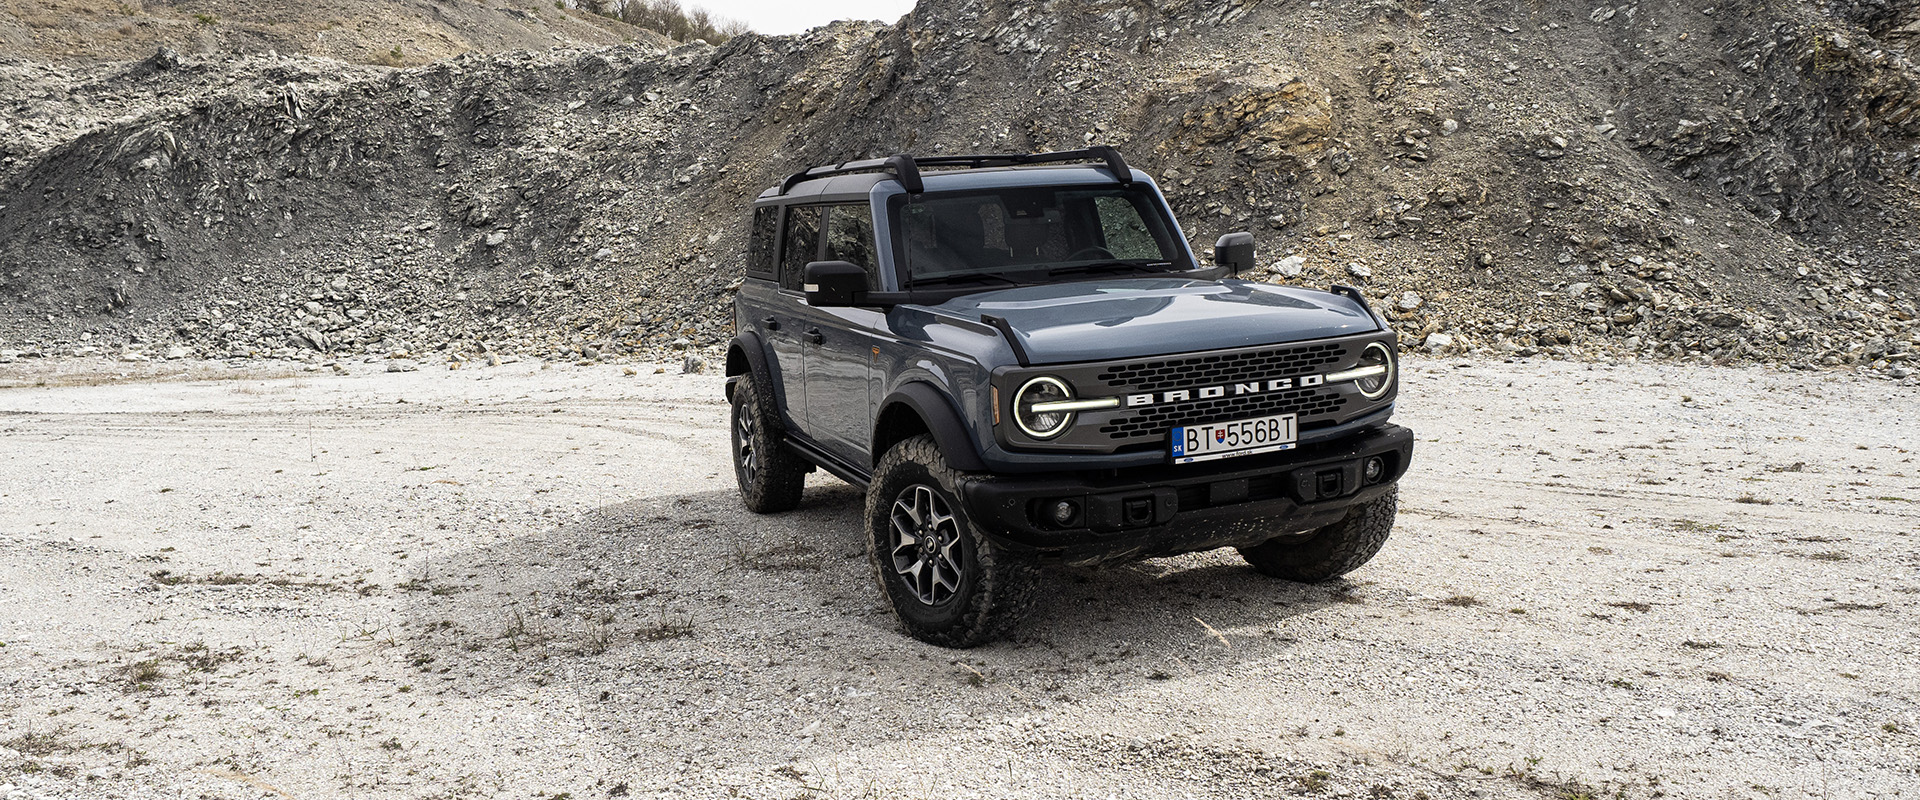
x=1568, y=178
x=392, y=32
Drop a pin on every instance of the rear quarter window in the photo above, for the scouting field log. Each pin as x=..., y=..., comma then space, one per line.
x=760, y=243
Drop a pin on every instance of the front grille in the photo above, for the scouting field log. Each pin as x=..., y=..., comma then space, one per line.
x=1315, y=406
x=1318, y=405
x=1236, y=385
x=1220, y=368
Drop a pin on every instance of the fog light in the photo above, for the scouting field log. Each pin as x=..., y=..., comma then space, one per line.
x=1374, y=469
x=1064, y=512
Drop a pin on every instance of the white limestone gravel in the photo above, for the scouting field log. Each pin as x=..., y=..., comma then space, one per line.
x=537, y=581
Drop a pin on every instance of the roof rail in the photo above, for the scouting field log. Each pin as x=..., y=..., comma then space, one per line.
x=906, y=168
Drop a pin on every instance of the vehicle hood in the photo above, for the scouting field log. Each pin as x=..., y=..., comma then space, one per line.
x=1104, y=320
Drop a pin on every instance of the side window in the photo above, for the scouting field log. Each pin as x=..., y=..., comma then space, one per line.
x=760, y=242
x=850, y=236
x=802, y=244
x=1126, y=233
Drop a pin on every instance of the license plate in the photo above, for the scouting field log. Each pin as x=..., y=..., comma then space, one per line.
x=1239, y=438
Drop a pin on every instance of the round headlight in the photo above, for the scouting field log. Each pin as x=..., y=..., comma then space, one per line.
x=1375, y=386
x=1042, y=424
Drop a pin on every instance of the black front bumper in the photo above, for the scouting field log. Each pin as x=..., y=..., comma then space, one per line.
x=1167, y=509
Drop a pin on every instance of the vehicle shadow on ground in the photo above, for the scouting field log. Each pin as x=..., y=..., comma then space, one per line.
x=659, y=613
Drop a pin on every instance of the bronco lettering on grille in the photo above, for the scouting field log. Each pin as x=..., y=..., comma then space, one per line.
x=1234, y=389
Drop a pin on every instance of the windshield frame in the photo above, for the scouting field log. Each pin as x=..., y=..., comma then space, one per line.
x=1155, y=204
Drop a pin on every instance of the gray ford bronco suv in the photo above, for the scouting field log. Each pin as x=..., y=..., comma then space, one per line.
x=1020, y=360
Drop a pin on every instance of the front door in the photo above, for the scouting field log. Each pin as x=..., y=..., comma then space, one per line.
x=838, y=344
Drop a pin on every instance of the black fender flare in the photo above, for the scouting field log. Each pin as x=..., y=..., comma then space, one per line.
x=750, y=348
x=943, y=420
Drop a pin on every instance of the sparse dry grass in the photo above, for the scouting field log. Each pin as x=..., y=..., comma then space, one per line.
x=666, y=627
x=38, y=743
x=143, y=674
x=391, y=58
x=792, y=554
x=150, y=673
x=166, y=577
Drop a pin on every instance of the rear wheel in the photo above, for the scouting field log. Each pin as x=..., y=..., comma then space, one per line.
x=1332, y=551
x=770, y=476
x=947, y=584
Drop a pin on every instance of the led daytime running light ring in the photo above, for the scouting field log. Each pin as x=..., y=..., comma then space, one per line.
x=1020, y=413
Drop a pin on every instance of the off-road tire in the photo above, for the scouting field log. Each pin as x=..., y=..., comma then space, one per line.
x=995, y=588
x=1332, y=551
x=770, y=475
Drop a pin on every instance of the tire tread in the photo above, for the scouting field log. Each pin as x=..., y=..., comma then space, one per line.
x=1332, y=551
x=783, y=474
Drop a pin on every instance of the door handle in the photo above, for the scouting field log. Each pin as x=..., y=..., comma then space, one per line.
x=770, y=324
x=814, y=336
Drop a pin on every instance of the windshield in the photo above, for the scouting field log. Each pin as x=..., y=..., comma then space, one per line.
x=1033, y=234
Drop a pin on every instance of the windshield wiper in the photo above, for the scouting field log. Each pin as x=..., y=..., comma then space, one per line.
x=1109, y=266
x=961, y=278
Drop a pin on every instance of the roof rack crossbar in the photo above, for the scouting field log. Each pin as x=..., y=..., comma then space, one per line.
x=1103, y=153
x=907, y=168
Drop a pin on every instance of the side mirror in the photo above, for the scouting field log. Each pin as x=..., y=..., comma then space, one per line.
x=832, y=283
x=1235, y=252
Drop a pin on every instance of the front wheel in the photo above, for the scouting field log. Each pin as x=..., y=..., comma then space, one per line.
x=947, y=584
x=1332, y=551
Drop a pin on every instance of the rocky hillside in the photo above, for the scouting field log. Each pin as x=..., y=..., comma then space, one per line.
x=1589, y=180
x=360, y=31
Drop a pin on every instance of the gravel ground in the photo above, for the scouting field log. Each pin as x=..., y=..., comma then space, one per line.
x=534, y=581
